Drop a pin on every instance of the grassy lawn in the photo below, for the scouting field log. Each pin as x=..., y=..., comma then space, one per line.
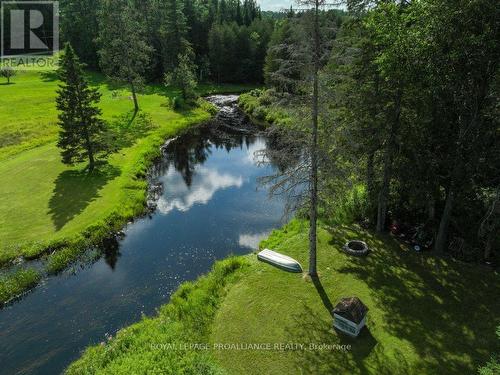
x=42, y=201
x=427, y=316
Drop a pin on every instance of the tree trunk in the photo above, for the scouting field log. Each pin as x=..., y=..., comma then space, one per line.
x=90, y=151
x=442, y=235
x=134, y=96
x=313, y=216
x=488, y=245
x=383, y=194
x=91, y=162
x=489, y=225
x=389, y=154
x=370, y=183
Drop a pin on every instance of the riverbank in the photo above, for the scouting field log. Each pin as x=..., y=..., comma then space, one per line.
x=257, y=105
x=67, y=209
x=423, y=317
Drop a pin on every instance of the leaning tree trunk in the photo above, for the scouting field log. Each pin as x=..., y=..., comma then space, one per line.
x=489, y=225
x=314, y=152
x=389, y=155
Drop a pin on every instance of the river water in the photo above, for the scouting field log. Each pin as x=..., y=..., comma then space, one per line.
x=208, y=205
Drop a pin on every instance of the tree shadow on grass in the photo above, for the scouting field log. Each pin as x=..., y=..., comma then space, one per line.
x=327, y=351
x=322, y=294
x=74, y=190
x=127, y=128
x=447, y=310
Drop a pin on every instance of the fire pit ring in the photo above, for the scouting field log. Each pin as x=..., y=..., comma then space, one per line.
x=356, y=248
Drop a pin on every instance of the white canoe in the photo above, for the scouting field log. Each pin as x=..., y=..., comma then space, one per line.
x=279, y=260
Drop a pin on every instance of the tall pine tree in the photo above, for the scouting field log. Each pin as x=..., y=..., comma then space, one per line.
x=81, y=134
x=125, y=53
x=173, y=32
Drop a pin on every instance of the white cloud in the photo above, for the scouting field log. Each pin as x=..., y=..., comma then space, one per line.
x=252, y=240
x=178, y=196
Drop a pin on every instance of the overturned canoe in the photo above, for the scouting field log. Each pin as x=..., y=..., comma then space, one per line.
x=279, y=260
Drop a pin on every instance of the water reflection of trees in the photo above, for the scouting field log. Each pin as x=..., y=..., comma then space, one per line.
x=111, y=250
x=195, y=147
x=285, y=151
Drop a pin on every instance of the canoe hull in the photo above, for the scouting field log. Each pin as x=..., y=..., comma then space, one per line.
x=280, y=261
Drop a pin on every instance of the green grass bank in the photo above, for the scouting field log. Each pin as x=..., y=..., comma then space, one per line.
x=427, y=315
x=47, y=208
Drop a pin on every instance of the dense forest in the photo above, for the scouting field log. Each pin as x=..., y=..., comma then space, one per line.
x=225, y=40
x=407, y=112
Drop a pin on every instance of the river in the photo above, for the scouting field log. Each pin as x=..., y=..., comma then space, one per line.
x=208, y=205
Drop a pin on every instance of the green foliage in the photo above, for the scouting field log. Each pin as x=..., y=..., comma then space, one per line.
x=262, y=106
x=124, y=51
x=173, y=33
x=81, y=135
x=14, y=284
x=7, y=72
x=282, y=67
x=184, y=78
x=349, y=207
x=79, y=27
x=237, y=52
x=186, y=320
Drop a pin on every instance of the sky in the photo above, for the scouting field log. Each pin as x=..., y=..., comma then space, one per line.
x=276, y=5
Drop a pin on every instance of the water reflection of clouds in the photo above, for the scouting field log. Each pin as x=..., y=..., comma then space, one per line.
x=205, y=184
x=252, y=241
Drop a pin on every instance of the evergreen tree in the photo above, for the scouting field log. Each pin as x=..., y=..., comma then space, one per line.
x=79, y=27
x=183, y=77
x=125, y=52
x=82, y=130
x=282, y=68
x=173, y=32
x=217, y=51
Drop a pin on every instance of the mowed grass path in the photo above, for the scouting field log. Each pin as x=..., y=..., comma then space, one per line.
x=42, y=200
x=427, y=315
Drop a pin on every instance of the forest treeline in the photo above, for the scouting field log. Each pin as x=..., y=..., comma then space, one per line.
x=408, y=109
x=225, y=40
